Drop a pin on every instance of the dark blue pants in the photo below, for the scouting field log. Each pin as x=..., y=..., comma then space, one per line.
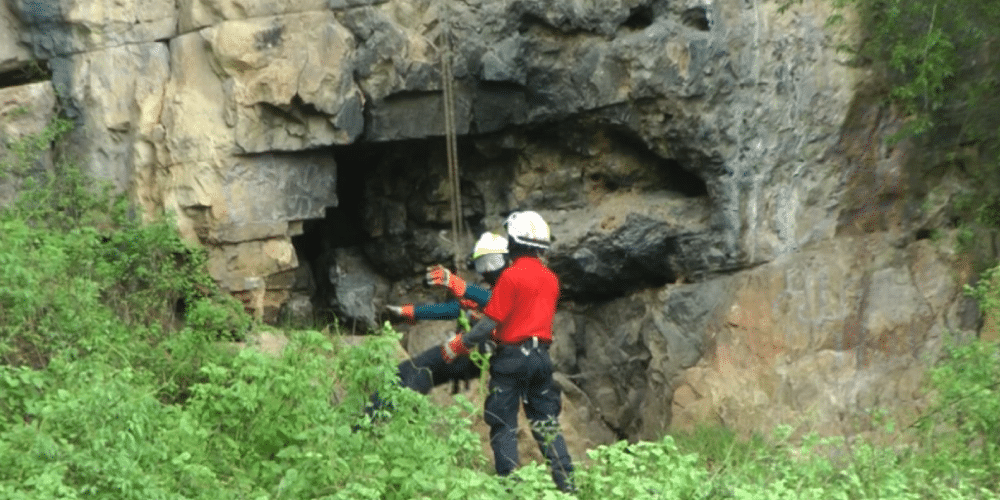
x=518, y=375
x=427, y=371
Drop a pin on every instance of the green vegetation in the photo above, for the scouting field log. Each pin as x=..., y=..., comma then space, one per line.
x=119, y=379
x=936, y=62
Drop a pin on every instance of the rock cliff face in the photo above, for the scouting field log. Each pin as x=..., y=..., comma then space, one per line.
x=733, y=239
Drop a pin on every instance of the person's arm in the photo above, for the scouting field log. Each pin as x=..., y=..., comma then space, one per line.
x=479, y=333
x=459, y=344
x=477, y=294
x=461, y=289
x=410, y=312
x=444, y=310
x=500, y=303
x=440, y=276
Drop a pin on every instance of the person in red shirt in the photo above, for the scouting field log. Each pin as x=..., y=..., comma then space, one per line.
x=518, y=317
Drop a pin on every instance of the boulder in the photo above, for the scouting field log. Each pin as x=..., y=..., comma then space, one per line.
x=358, y=291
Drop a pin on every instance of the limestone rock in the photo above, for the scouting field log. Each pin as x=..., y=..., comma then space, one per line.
x=196, y=14
x=244, y=265
x=115, y=137
x=197, y=117
x=71, y=26
x=289, y=80
x=13, y=53
x=250, y=197
x=630, y=349
x=281, y=83
x=298, y=310
x=358, y=289
x=817, y=339
x=623, y=244
x=26, y=110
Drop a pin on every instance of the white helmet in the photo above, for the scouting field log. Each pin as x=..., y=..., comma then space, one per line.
x=528, y=229
x=489, y=254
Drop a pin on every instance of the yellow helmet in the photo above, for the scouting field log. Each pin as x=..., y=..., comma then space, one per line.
x=489, y=254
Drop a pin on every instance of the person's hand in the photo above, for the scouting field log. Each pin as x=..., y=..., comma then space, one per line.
x=404, y=311
x=440, y=276
x=453, y=349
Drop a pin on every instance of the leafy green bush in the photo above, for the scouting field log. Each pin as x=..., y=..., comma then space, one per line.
x=963, y=427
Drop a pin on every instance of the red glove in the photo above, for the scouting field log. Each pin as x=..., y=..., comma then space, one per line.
x=453, y=349
x=404, y=311
x=440, y=276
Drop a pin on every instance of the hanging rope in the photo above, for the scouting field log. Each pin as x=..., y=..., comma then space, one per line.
x=451, y=141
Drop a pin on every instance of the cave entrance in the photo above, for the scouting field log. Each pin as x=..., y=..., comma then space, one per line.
x=392, y=220
x=394, y=213
x=33, y=72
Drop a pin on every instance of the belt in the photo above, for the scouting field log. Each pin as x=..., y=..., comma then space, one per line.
x=529, y=344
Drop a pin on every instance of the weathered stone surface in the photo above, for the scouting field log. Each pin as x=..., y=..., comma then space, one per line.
x=629, y=350
x=250, y=197
x=291, y=81
x=115, y=96
x=298, y=311
x=197, y=116
x=358, y=290
x=243, y=266
x=196, y=14
x=247, y=209
x=270, y=84
x=71, y=26
x=623, y=243
x=816, y=339
x=13, y=53
x=24, y=110
x=267, y=188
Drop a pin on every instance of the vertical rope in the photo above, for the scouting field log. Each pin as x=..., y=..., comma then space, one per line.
x=451, y=142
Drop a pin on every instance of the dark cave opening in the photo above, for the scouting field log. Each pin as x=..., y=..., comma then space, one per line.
x=387, y=226
x=670, y=173
x=393, y=214
x=639, y=18
x=340, y=227
x=683, y=180
x=34, y=72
